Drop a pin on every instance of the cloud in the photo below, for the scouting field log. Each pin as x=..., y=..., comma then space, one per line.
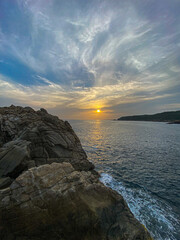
x=53, y=96
x=84, y=54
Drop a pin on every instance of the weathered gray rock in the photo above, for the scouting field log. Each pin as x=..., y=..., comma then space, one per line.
x=56, y=202
x=13, y=158
x=29, y=138
x=5, y=182
x=49, y=190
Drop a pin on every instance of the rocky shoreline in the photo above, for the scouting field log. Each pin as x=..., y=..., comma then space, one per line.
x=48, y=188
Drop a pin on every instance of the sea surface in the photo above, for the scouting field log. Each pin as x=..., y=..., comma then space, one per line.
x=141, y=161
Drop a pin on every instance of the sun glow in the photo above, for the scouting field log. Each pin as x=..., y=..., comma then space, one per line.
x=98, y=110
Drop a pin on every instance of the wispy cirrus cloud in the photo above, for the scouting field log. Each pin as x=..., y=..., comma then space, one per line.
x=85, y=54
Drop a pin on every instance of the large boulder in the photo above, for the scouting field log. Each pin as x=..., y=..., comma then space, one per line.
x=57, y=202
x=48, y=188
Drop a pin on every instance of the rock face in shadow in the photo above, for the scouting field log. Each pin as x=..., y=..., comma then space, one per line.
x=29, y=138
x=49, y=190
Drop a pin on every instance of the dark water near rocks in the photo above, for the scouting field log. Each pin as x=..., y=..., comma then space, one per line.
x=140, y=160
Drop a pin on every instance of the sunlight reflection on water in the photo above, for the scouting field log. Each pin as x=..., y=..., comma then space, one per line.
x=140, y=160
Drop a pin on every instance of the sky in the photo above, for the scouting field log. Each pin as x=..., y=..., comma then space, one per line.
x=73, y=57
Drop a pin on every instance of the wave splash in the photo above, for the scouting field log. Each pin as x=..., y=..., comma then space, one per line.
x=152, y=213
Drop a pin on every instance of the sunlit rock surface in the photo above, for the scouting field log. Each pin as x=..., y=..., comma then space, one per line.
x=49, y=190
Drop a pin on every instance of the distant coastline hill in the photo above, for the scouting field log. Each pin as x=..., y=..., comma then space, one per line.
x=158, y=117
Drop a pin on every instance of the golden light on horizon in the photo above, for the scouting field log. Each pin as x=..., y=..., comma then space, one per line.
x=98, y=110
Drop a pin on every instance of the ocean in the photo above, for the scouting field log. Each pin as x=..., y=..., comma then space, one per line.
x=141, y=161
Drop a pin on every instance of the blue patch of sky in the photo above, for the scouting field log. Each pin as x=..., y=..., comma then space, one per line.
x=19, y=72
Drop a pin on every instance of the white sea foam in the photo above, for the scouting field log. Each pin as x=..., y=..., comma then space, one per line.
x=155, y=215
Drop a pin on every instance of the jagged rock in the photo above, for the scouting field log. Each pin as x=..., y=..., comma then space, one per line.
x=49, y=190
x=29, y=138
x=13, y=158
x=4, y=182
x=56, y=202
x=43, y=110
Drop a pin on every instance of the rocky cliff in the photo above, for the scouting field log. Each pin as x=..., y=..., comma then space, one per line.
x=49, y=190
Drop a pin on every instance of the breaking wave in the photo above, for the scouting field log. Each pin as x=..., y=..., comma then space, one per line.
x=152, y=213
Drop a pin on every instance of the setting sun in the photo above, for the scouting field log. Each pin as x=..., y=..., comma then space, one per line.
x=98, y=110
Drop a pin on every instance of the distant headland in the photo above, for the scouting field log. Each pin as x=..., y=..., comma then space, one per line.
x=170, y=117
